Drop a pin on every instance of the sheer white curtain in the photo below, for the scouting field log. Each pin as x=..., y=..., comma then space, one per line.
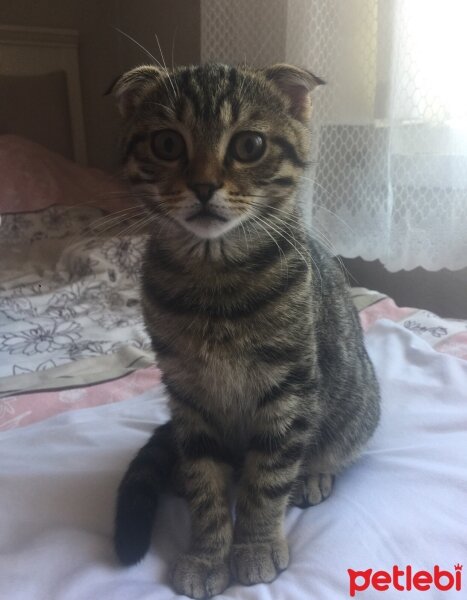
x=389, y=173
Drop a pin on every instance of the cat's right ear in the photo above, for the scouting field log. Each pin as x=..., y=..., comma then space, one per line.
x=130, y=87
x=296, y=85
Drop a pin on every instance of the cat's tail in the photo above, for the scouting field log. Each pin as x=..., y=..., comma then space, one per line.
x=149, y=474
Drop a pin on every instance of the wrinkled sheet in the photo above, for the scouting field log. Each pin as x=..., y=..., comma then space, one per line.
x=404, y=502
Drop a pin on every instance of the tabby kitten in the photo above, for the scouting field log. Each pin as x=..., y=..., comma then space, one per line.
x=254, y=330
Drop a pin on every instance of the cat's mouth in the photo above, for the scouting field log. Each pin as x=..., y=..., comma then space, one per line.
x=206, y=214
x=207, y=223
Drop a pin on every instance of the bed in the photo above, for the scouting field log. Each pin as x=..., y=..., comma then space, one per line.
x=80, y=392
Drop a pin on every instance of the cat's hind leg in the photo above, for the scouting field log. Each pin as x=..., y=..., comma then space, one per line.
x=318, y=471
x=311, y=489
x=340, y=442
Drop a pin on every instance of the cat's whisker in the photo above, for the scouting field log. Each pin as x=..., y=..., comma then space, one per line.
x=244, y=235
x=243, y=89
x=123, y=210
x=146, y=51
x=168, y=108
x=133, y=222
x=151, y=218
x=173, y=47
x=248, y=84
x=249, y=226
x=176, y=93
x=306, y=251
x=281, y=252
x=110, y=197
x=115, y=228
x=115, y=223
x=141, y=225
x=160, y=212
x=98, y=199
x=291, y=232
x=262, y=46
x=133, y=225
x=319, y=206
x=249, y=232
x=325, y=241
x=98, y=225
x=300, y=222
x=132, y=39
x=331, y=195
x=114, y=217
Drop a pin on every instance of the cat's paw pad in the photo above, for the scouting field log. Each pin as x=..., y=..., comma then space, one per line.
x=199, y=577
x=260, y=562
x=312, y=490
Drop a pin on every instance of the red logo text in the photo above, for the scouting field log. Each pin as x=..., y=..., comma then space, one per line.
x=405, y=579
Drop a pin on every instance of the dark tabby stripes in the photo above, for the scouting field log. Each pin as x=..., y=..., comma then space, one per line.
x=182, y=304
x=262, y=354
x=276, y=490
x=289, y=151
x=134, y=140
x=202, y=445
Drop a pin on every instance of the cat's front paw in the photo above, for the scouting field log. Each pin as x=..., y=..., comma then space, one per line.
x=199, y=577
x=259, y=562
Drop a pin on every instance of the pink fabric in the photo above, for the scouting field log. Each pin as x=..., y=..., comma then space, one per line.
x=456, y=345
x=17, y=411
x=384, y=309
x=444, y=335
x=33, y=178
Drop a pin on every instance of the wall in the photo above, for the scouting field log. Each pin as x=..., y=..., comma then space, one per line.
x=104, y=53
x=442, y=292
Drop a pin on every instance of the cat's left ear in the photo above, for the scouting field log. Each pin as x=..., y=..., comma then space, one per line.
x=296, y=84
x=130, y=87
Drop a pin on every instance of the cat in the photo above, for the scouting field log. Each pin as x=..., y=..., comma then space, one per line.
x=260, y=347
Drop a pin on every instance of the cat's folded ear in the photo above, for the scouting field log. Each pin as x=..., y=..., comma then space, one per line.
x=296, y=84
x=130, y=87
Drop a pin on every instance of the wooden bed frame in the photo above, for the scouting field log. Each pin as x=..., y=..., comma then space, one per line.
x=38, y=51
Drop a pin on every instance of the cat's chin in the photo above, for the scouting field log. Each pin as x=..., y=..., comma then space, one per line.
x=208, y=228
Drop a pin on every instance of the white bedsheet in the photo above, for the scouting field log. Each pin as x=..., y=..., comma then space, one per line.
x=404, y=502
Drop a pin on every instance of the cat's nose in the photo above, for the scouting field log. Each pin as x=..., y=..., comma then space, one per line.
x=204, y=191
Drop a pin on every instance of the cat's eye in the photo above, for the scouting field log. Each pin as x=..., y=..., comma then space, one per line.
x=167, y=144
x=247, y=146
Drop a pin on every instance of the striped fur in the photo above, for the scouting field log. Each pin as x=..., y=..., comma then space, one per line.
x=251, y=320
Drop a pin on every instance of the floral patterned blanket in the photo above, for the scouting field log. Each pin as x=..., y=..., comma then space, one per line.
x=67, y=290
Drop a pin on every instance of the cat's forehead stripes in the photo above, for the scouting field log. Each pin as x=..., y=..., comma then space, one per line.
x=210, y=89
x=215, y=96
x=210, y=99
